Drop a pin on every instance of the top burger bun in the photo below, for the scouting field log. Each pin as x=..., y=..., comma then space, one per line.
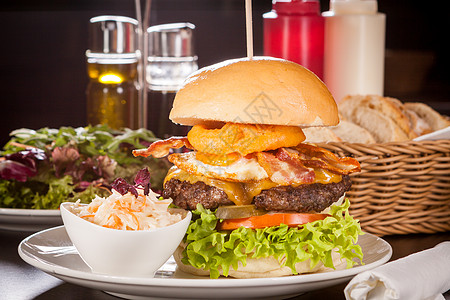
x=262, y=90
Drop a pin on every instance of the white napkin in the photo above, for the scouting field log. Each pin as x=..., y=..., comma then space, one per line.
x=442, y=134
x=423, y=276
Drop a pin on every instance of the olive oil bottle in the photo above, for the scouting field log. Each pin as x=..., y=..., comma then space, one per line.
x=112, y=66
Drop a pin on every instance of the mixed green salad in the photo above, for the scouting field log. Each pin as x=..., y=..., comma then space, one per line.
x=40, y=169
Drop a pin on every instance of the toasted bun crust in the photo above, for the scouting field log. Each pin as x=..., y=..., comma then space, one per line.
x=263, y=90
x=260, y=268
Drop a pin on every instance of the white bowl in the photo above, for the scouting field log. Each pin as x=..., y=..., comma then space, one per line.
x=123, y=252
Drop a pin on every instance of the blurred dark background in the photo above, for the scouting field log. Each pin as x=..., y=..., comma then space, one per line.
x=43, y=70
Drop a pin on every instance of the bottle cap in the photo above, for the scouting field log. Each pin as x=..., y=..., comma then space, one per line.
x=171, y=55
x=113, y=35
x=296, y=6
x=171, y=40
x=354, y=6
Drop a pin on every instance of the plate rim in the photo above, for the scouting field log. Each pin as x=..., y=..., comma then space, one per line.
x=56, y=270
x=29, y=212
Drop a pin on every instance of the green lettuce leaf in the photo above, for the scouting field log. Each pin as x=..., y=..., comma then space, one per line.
x=214, y=250
x=39, y=195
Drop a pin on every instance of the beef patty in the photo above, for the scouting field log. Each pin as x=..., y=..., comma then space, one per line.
x=187, y=195
x=304, y=198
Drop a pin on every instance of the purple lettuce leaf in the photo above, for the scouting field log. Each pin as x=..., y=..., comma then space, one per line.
x=123, y=187
x=105, y=167
x=142, y=179
x=68, y=161
x=21, y=165
x=10, y=170
x=64, y=160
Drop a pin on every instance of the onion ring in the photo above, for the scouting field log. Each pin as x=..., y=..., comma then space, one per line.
x=243, y=138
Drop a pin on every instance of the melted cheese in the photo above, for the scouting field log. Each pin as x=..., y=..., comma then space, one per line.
x=324, y=176
x=234, y=190
x=242, y=193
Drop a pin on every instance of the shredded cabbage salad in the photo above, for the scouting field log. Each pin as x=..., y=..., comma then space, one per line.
x=128, y=212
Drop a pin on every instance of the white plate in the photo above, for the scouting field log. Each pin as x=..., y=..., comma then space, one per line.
x=29, y=219
x=52, y=252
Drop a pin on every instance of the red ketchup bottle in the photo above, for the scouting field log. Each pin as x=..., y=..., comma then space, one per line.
x=294, y=30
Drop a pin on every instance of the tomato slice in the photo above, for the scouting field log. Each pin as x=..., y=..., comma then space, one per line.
x=269, y=220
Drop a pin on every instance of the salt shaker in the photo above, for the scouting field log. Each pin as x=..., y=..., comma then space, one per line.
x=171, y=58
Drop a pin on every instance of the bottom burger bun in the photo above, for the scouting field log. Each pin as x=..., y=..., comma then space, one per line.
x=260, y=268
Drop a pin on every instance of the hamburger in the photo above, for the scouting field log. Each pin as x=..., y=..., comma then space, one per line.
x=265, y=204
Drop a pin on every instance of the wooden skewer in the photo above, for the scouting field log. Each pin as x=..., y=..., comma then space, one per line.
x=249, y=28
x=143, y=24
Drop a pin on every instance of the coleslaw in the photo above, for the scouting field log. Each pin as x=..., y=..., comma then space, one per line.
x=128, y=212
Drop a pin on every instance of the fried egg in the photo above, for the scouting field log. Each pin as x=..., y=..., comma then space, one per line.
x=242, y=170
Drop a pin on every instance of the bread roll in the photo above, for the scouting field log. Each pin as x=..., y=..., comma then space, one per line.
x=431, y=117
x=386, y=119
x=320, y=135
x=382, y=128
x=352, y=133
x=389, y=107
x=418, y=125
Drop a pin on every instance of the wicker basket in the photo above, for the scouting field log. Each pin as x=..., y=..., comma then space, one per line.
x=403, y=187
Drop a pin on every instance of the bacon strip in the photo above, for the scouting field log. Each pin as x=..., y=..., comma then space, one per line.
x=285, y=172
x=316, y=157
x=287, y=166
x=162, y=148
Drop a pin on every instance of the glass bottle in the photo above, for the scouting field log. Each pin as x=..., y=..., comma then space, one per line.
x=294, y=30
x=171, y=59
x=112, y=65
